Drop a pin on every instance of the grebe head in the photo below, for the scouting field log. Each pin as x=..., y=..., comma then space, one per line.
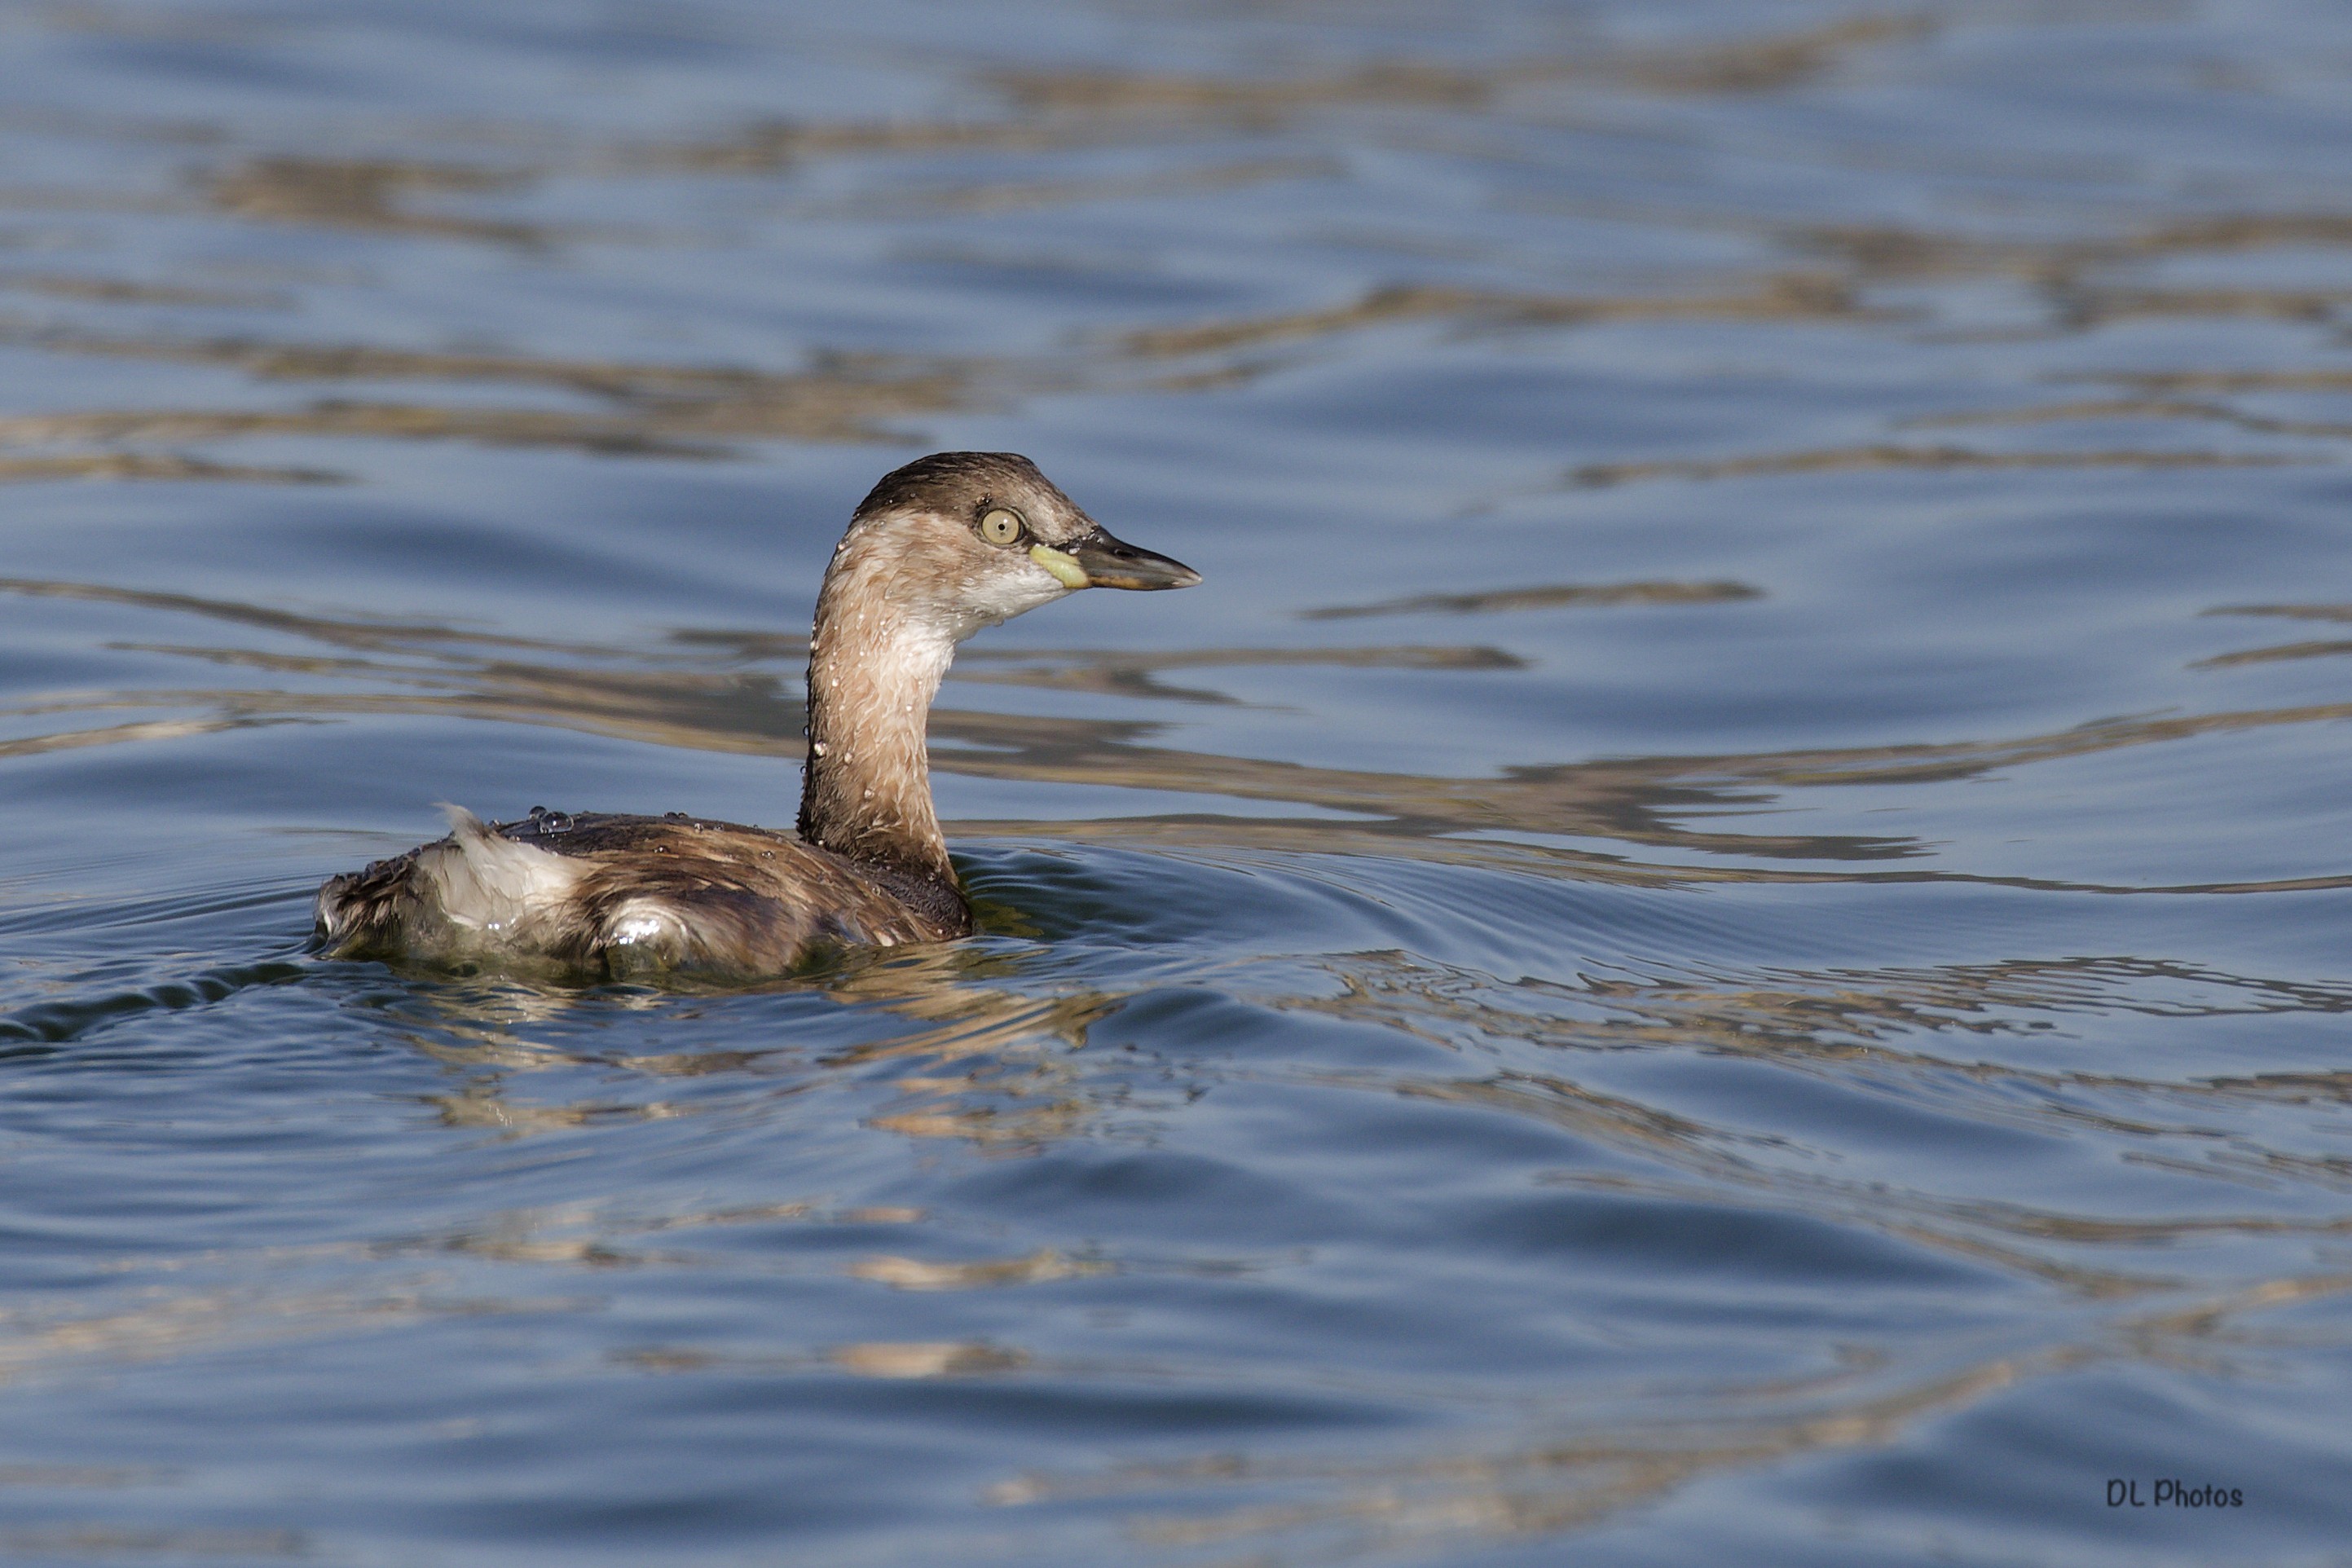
x=944, y=546
x=974, y=538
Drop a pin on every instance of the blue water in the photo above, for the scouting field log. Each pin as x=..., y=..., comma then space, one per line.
x=1720, y=935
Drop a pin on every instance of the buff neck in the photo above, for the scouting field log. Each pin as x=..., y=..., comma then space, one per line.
x=874, y=667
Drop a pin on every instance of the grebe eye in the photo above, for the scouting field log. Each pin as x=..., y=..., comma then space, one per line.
x=1001, y=525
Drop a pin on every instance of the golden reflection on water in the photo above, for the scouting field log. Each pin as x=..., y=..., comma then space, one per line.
x=1560, y=1480
x=98, y=1543
x=1856, y=459
x=1825, y=274
x=1780, y=299
x=2311, y=648
x=2136, y=408
x=655, y=410
x=1546, y=1467
x=1002, y=1071
x=1076, y=109
x=693, y=694
x=374, y=195
x=698, y=411
x=701, y=411
x=168, y=1324
x=1006, y=196
x=1111, y=672
x=152, y=465
x=1553, y=597
x=121, y=292
x=974, y=1062
x=1887, y=1032
x=1572, y=1471
x=917, y=1274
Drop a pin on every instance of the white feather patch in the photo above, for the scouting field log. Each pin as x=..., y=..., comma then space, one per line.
x=494, y=884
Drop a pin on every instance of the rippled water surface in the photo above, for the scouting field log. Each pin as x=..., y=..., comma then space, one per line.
x=1721, y=935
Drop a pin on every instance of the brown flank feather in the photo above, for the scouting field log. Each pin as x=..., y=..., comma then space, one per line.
x=737, y=899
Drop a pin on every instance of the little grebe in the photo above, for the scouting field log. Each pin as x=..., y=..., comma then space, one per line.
x=942, y=547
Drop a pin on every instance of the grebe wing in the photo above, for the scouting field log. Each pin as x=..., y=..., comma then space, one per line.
x=625, y=892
